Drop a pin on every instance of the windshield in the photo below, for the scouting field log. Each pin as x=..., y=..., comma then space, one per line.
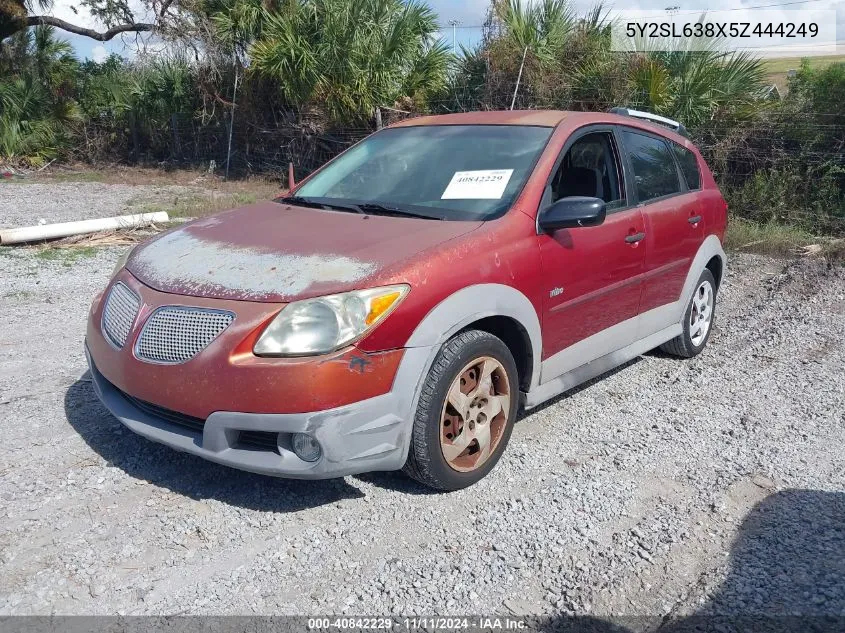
x=449, y=172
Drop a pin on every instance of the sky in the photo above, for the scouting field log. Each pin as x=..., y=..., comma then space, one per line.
x=470, y=13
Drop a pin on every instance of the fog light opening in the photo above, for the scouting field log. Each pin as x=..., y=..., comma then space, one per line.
x=306, y=447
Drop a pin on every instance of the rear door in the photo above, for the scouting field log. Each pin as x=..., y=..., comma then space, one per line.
x=591, y=274
x=672, y=213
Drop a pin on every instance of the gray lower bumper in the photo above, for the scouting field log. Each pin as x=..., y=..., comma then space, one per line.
x=365, y=436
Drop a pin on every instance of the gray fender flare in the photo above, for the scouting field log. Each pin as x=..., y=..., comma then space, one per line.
x=478, y=302
x=445, y=320
x=710, y=248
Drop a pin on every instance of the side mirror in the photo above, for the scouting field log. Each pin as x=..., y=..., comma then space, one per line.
x=571, y=212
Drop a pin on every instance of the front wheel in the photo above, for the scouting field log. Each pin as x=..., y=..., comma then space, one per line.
x=466, y=411
x=698, y=319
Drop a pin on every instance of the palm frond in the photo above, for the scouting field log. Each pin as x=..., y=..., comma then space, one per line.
x=350, y=57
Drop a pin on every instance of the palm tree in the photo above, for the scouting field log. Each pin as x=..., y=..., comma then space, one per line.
x=541, y=28
x=53, y=61
x=569, y=64
x=237, y=23
x=36, y=109
x=695, y=86
x=562, y=56
x=347, y=57
x=33, y=127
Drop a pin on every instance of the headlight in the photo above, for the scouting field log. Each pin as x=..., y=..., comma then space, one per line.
x=324, y=324
x=121, y=261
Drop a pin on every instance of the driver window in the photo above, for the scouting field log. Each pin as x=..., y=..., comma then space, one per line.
x=591, y=168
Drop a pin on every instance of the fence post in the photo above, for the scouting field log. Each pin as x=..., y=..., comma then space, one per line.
x=136, y=145
x=519, y=77
x=177, y=148
x=232, y=121
x=379, y=124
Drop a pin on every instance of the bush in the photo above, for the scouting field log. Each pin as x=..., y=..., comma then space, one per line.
x=789, y=166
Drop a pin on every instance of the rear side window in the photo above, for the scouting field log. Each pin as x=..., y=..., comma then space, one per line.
x=689, y=166
x=654, y=168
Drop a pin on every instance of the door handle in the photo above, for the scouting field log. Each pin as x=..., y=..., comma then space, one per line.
x=636, y=237
x=694, y=219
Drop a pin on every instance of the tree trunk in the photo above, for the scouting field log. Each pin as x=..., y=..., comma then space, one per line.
x=14, y=18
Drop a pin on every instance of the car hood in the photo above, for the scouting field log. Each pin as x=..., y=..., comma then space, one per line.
x=278, y=253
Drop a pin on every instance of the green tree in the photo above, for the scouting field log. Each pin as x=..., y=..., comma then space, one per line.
x=697, y=86
x=118, y=16
x=793, y=158
x=36, y=104
x=541, y=28
x=347, y=57
x=565, y=59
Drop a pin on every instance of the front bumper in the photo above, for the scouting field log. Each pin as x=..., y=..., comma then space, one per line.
x=370, y=435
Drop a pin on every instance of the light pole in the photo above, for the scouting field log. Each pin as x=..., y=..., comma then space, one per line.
x=454, y=24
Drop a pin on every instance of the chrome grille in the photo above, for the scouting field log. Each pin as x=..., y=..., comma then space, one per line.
x=119, y=314
x=174, y=334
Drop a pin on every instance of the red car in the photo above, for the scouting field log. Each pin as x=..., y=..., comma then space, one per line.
x=399, y=305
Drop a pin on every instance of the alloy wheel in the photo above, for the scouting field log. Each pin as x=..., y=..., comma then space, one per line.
x=701, y=313
x=475, y=414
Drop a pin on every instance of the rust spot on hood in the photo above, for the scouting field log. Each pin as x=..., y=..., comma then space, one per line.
x=273, y=252
x=204, y=267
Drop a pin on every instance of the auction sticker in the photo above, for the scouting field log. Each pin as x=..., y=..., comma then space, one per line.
x=484, y=184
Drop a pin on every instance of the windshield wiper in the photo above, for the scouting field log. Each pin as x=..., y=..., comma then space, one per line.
x=320, y=204
x=386, y=209
x=300, y=201
x=373, y=208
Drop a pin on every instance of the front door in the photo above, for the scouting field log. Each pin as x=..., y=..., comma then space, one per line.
x=592, y=274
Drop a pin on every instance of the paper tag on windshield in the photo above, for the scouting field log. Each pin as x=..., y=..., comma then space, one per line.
x=484, y=184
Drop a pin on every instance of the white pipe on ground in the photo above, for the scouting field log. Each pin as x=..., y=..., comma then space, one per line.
x=66, y=229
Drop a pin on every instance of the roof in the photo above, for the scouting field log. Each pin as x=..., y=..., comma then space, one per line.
x=547, y=118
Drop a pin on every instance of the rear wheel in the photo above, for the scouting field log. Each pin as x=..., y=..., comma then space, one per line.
x=465, y=414
x=698, y=319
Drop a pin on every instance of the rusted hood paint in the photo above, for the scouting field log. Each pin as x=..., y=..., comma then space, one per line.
x=278, y=253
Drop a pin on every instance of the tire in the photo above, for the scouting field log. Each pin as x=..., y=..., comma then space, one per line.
x=462, y=359
x=691, y=342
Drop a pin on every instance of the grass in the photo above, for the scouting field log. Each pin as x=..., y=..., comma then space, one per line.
x=777, y=68
x=81, y=176
x=20, y=294
x=123, y=175
x=66, y=256
x=211, y=196
x=784, y=64
x=774, y=239
x=198, y=205
x=57, y=177
x=779, y=240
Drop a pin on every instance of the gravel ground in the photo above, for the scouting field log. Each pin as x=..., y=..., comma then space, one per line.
x=666, y=488
x=26, y=204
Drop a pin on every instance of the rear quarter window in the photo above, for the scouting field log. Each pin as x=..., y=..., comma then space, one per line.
x=689, y=166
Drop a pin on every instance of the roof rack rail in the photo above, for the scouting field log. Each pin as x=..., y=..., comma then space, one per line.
x=653, y=118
